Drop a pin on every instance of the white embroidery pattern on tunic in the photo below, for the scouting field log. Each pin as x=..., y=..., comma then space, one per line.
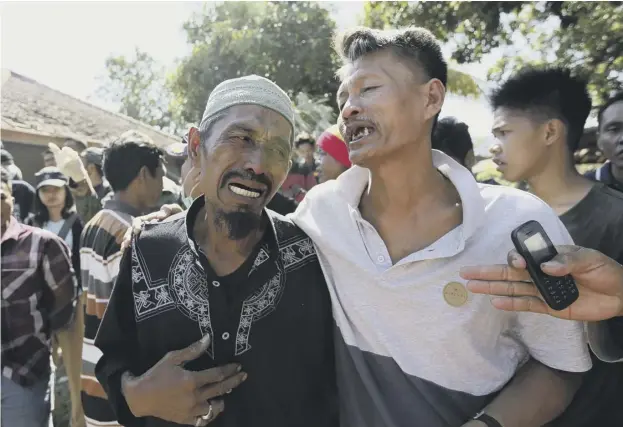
x=260, y=304
x=190, y=289
x=296, y=253
x=265, y=300
x=260, y=259
x=149, y=298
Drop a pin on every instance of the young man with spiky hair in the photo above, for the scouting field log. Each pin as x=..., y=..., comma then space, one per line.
x=539, y=117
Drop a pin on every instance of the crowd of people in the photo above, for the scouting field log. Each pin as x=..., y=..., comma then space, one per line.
x=361, y=277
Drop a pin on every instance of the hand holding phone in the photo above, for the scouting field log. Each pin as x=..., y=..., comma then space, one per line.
x=533, y=244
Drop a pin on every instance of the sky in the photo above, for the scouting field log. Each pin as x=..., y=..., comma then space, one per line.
x=64, y=45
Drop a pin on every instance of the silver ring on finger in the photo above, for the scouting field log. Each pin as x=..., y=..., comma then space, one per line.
x=207, y=417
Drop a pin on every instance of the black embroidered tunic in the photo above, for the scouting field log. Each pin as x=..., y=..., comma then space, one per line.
x=272, y=315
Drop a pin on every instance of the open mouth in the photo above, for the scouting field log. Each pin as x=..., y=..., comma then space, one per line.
x=361, y=132
x=244, y=191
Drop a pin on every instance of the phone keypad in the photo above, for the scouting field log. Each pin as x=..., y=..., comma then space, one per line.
x=561, y=289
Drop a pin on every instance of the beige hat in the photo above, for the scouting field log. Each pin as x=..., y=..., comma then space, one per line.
x=253, y=90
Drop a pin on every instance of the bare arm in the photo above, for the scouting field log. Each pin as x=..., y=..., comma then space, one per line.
x=535, y=396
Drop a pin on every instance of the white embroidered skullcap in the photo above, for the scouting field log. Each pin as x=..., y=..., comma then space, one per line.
x=254, y=90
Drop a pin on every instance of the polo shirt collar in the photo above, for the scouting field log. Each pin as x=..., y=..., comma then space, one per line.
x=352, y=183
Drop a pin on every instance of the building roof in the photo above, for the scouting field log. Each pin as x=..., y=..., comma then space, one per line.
x=31, y=107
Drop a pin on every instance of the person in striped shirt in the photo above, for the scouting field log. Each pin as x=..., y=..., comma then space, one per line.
x=133, y=167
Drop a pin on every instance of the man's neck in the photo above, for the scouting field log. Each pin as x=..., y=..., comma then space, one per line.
x=224, y=254
x=560, y=186
x=396, y=190
x=130, y=199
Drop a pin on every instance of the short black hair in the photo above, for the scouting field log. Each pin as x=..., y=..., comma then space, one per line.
x=452, y=137
x=545, y=94
x=618, y=97
x=416, y=45
x=125, y=157
x=304, y=138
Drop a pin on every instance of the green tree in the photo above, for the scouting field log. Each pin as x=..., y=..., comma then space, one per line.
x=287, y=42
x=313, y=116
x=138, y=85
x=587, y=37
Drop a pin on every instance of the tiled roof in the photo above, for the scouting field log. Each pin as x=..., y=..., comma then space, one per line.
x=30, y=106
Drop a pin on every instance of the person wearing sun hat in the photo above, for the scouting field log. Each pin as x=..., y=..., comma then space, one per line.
x=333, y=154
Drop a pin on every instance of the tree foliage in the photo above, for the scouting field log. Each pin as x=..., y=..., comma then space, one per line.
x=587, y=37
x=287, y=42
x=137, y=84
x=313, y=116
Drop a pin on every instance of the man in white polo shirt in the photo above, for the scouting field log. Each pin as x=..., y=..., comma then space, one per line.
x=413, y=347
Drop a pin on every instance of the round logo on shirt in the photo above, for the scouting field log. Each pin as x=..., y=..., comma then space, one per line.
x=455, y=294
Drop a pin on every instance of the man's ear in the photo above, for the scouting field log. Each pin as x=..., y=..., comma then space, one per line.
x=435, y=96
x=555, y=130
x=194, y=145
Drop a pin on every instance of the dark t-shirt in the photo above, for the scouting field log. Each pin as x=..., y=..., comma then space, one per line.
x=24, y=195
x=596, y=222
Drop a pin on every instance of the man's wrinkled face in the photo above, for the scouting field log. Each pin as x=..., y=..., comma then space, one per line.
x=610, y=139
x=243, y=162
x=6, y=202
x=519, y=149
x=384, y=105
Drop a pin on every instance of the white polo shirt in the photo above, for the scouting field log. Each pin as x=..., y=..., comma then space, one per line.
x=404, y=354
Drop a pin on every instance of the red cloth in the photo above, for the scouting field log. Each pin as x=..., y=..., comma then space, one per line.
x=331, y=142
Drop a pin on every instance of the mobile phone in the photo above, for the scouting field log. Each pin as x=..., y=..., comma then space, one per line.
x=533, y=244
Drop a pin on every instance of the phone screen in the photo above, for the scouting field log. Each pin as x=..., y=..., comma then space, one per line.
x=538, y=248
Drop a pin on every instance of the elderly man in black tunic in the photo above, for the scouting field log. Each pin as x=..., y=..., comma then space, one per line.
x=220, y=315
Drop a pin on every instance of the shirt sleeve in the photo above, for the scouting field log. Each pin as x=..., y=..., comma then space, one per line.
x=61, y=281
x=606, y=339
x=117, y=339
x=557, y=343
